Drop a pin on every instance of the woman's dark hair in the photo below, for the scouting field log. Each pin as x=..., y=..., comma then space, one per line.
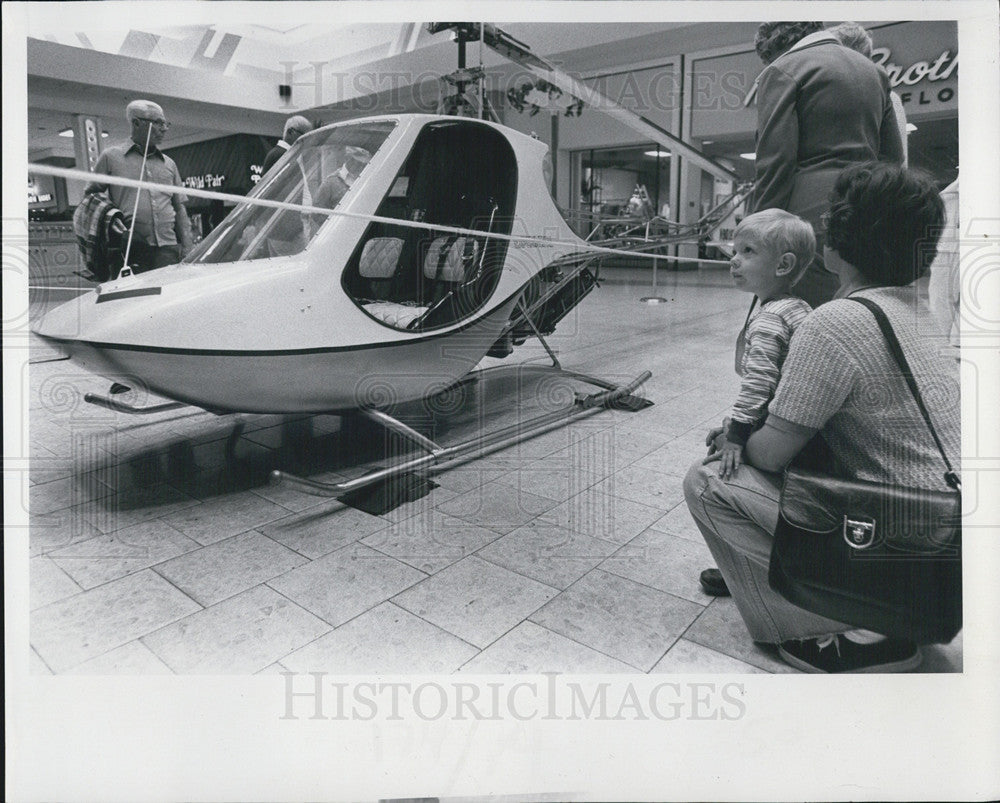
x=774, y=38
x=885, y=221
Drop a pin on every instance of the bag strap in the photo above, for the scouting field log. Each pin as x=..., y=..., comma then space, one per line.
x=951, y=477
x=753, y=304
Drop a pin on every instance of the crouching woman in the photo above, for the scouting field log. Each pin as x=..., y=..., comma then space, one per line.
x=840, y=381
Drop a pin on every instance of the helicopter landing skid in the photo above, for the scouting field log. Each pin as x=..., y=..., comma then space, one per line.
x=438, y=456
x=123, y=407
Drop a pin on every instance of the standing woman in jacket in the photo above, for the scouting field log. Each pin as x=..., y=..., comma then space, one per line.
x=821, y=107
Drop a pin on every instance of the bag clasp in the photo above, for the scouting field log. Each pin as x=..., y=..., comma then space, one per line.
x=859, y=531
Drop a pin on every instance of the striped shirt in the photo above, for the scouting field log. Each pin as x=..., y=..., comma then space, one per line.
x=760, y=353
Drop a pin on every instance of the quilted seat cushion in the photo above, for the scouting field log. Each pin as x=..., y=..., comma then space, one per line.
x=379, y=257
x=397, y=315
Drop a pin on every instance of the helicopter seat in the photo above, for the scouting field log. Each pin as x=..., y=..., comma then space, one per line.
x=378, y=264
x=449, y=269
x=449, y=264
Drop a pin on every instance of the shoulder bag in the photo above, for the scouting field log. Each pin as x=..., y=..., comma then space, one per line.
x=876, y=556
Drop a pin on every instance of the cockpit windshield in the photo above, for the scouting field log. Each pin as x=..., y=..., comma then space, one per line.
x=318, y=170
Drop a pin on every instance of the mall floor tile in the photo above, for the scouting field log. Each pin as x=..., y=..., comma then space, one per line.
x=387, y=636
x=134, y=658
x=220, y=517
x=532, y=649
x=241, y=635
x=346, y=583
x=86, y=625
x=323, y=528
x=663, y=561
x=687, y=656
x=160, y=544
x=476, y=600
x=48, y=582
x=104, y=558
x=720, y=628
x=431, y=541
x=601, y=515
x=548, y=553
x=224, y=569
x=619, y=617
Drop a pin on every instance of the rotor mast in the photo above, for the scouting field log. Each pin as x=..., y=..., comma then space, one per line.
x=519, y=53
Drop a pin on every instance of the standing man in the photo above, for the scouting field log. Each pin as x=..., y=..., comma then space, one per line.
x=335, y=187
x=162, y=231
x=295, y=127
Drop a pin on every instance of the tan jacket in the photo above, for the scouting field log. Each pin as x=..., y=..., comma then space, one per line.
x=820, y=108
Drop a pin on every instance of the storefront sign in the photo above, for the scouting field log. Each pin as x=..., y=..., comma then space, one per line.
x=41, y=191
x=231, y=164
x=921, y=59
x=901, y=78
x=209, y=181
x=940, y=69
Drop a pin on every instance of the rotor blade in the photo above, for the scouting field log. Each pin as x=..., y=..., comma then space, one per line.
x=83, y=175
x=519, y=53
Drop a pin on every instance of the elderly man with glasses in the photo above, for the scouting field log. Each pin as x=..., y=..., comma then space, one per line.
x=161, y=229
x=295, y=127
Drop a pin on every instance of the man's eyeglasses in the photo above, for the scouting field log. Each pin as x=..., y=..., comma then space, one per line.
x=161, y=124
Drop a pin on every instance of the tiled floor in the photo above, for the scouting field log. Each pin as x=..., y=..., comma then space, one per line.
x=154, y=552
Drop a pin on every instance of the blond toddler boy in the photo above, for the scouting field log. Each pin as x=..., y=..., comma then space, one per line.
x=772, y=249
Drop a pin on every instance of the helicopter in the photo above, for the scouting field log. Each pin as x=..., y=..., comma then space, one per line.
x=338, y=289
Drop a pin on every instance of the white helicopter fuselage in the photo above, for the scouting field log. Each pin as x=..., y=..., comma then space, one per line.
x=279, y=334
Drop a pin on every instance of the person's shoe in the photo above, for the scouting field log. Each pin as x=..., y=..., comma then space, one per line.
x=837, y=654
x=713, y=583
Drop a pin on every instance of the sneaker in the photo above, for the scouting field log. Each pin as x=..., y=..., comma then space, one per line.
x=713, y=583
x=835, y=654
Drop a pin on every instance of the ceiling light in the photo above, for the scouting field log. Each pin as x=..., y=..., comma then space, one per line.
x=66, y=132
x=910, y=127
x=750, y=156
x=660, y=154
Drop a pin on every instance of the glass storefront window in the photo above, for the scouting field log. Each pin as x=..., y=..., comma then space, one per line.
x=616, y=186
